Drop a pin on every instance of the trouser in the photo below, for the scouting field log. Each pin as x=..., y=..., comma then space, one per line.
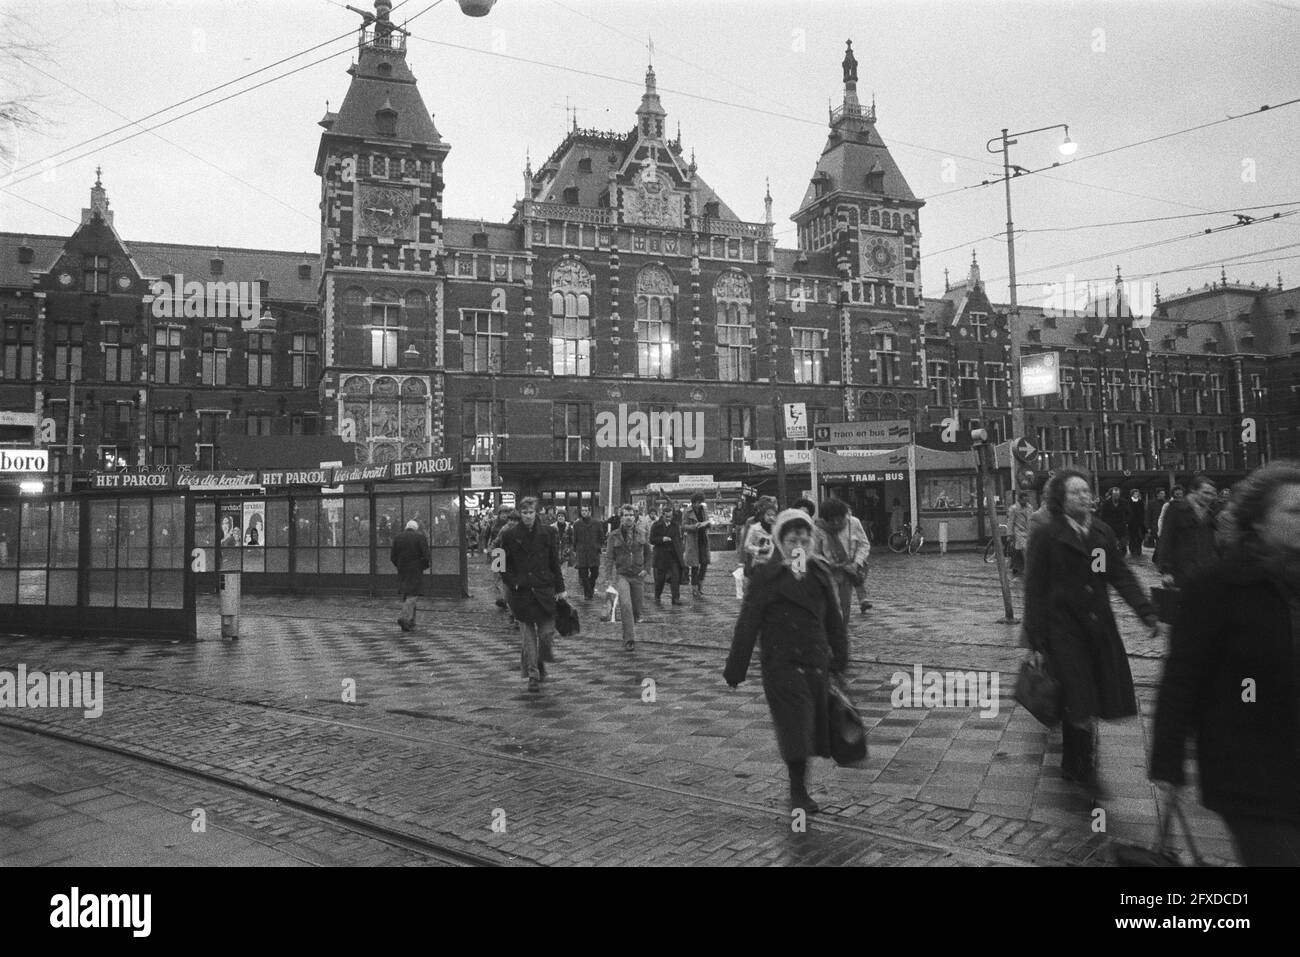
x=536, y=636
x=587, y=575
x=1135, y=543
x=1264, y=842
x=1079, y=749
x=697, y=575
x=844, y=589
x=860, y=588
x=630, y=596
x=1017, y=561
x=673, y=576
x=408, y=609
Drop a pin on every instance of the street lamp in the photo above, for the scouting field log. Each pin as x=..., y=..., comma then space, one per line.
x=1067, y=148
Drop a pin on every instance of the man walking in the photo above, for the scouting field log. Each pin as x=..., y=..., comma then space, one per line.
x=1018, y=530
x=1187, y=533
x=845, y=548
x=627, y=553
x=588, y=541
x=695, y=527
x=1137, y=523
x=410, y=554
x=1114, y=513
x=535, y=582
x=668, y=563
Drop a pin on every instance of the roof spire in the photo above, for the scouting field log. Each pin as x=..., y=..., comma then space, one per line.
x=651, y=114
x=1279, y=280
x=974, y=277
x=1223, y=275
x=946, y=287
x=767, y=204
x=98, y=201
x=850, y=66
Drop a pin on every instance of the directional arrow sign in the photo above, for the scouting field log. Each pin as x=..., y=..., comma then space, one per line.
x=1023, y=449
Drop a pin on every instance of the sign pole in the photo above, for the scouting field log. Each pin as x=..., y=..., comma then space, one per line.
x=911, y=484
x=778, y=408
x=987, y=466
x=812, y=469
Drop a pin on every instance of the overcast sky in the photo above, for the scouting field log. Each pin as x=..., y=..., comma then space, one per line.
x=749, y=83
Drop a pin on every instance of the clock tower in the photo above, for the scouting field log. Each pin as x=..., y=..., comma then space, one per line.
x=380, y=164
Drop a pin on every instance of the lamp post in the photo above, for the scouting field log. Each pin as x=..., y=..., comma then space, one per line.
x=1067, y=148
x=493, y=366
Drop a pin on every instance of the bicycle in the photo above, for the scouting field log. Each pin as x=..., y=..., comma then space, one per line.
x=905, y=539
x=1005, y=534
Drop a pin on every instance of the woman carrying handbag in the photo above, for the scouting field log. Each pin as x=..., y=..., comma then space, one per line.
x=793, y=610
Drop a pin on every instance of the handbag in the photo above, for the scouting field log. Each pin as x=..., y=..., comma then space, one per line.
x=1038, y=692
x=566, y=619
x=1166, y=602
x=1160, y=855
x=847, y=734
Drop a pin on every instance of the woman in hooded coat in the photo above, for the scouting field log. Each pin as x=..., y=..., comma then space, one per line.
x=793, y=611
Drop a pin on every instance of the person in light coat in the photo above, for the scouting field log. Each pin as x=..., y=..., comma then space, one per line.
x=1018, y=516
x=841, y=542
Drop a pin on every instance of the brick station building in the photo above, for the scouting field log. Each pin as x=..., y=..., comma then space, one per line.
x=621, y=280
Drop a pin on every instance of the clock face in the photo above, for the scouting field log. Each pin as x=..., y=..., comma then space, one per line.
x=124, y=282
x=65, y=279
x=880, y=256
x=386, y=212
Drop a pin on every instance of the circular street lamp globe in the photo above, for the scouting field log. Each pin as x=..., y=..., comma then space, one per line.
x=1069, y=147
x=476, y=8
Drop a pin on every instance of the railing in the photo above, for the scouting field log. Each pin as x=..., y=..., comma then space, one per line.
x=577, y=214
x=394, y=40
x=867, y=113
x=725, y=227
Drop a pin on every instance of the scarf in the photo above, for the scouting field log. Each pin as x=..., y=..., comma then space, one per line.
x=1080, y=528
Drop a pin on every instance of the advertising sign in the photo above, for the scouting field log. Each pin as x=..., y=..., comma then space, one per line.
x=24, y=460
x=1040, y=374
x=796, y=420
x=480, y=476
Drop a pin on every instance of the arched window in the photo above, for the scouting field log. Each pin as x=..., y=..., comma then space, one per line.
x=389, y=416
x=735, y=327
x=571, y=330
x=654, y=323
x=875, y=217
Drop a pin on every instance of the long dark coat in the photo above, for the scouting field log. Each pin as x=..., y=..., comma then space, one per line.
x=410, y=553
x=1068, y=616
x=695, y=545
x=1233, y=623
x=588, y=542
x=667, y=546
x=1186, y=542
x=533, y=574
x=1114, y=514
x=803, y=641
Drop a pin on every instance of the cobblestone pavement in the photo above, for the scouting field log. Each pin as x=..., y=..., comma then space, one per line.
x=442, y=740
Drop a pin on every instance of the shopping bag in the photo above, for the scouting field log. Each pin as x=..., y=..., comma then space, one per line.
x=611, y=604
x=739, y=576
x=847, y=733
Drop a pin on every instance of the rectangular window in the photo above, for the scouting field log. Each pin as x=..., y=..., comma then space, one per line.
x=968, y=382
x=738, y=420
x=210, y=425
x=166, y=438
x=1137, y=380
x=979, y=324
x=572, y=431
x=1176, y=391
x=995, y=380
x=1044, y=436
x=94, y=273
x=1115, y=447
x=1202, y=449
x=887, y=359
x=1223, y=455
x=940, y=386
x=1141, y=445
x=18, y=355
x=662, y=434
x=68, y=344
x=215, y=355
x=571, y=345
x=481, y=428
x=305, y=358
x=1069, y=399
x=1197, y=384
x=1091, y=452
x=734, y=343
x=117, y=354
x=260, y=358
x=809, y=355
x=258, y=423
x=1115, y=389
x=167, y=357
x=1068, y=449
x=306, y=423
x=482, y=337
x=383, y=335
x=1088, y=386
x=654, y=337
x=1218, y=394
x=1258, y=394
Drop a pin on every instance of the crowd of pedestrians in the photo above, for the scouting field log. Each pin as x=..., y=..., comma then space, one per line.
x=1230, y=569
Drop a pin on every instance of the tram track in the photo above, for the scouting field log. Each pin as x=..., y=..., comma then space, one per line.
x=434, y=851
x=458, y=854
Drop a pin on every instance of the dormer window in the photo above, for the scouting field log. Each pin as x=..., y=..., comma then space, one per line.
x=26, y=254
x=711, y=209
x=571, y=195
x=217, y=265
x=876, y=181
x=304, y=270
x=384, y=69
x=479, y=240
x=584, y=165
x=386, y=122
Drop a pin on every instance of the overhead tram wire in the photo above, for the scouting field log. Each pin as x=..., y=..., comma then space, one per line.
x=190, y=99
x=1266, y=108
